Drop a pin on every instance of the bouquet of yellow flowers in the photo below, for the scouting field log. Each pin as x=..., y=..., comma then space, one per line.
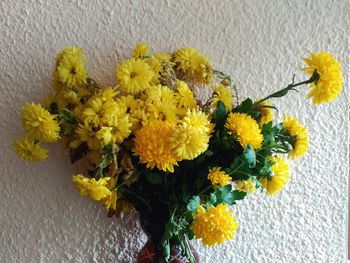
x=148, y=143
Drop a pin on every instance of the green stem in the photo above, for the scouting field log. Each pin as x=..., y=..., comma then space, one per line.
x=314, y=78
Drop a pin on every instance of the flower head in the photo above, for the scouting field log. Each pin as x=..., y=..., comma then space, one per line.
x=214, y=226
x=266, y=113
x=160, y=103
x=191, y=137
x=134, y=76
x=193, y=64
x=328, y=85
x=28, y=149
x=224, y=94
x=184, y=98
x=152, y=145
x=71, y=70
x=140, y=50
x=245, y=129
x=299, y=134
x=247, y=186
x=279, y=178
x=218, y=177
x=95, y=189
x=39, y=123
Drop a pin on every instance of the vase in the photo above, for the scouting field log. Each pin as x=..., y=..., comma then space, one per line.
x=148, y=254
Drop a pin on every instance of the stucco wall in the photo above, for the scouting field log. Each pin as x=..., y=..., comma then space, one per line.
x=43, y=218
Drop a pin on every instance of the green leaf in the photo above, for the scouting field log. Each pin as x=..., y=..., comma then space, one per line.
x=249, y=156
x=225, y=195
x=220, y=115
x=193, y=203
x=154, y=178
x=245, y=106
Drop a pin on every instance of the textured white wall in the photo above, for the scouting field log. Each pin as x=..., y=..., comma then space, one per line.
x=42, y=217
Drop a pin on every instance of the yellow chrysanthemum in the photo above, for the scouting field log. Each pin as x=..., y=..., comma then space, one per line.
x=266, y=114
x=110, y=202
x=329, y=85
x=39, y=123
x=104, y=135
x=162, y=57
x=70, y=51
x=153, y=147
x=191, y=137
x=186, y=60
x=245, y=129
x=88, y=135
x=184, y=97
x=299, y=134
x=218, y=177
x=224, y=94
x=134, y=108
x=160, y=103
x=71, y=71
x=193, y=64
x=140, y=50
x=279, y=178
x=28, y=149
x=156, y=65
x=95, y=189
x=214, y=226
x=97, y=111
x=121, y=127
x=203, y=74
x=134, y=76
x=247, y=186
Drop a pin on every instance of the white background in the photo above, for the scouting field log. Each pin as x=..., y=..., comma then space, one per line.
x=43, y=218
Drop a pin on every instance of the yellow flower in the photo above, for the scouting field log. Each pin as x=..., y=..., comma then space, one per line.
x=97, y=111
x=186, y=60
x=140, y=50
x=95, y=189
x=193, y=64
x=203, y=74
x=27, y=149
x=104, y=135
x=71, y=71
x=191, y=137
x=160, y=103
x=39, y=123
x=152, y=145
x=266, y=114
x=247, y=186
x=134, y=76
x=224, y=94
x=88, y=135
x=299, y=134
x=121, y=127
x=70, y=51
x=279, y=178
x=156, y=65
x=162, y=57
x=329, y=84
x=214, y=226
x=132, y=106
x=184, y=97
x=218, y=177
x=245, y=129
x=110, y=202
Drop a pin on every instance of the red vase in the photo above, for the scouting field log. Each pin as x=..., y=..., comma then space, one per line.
x=148, y=254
